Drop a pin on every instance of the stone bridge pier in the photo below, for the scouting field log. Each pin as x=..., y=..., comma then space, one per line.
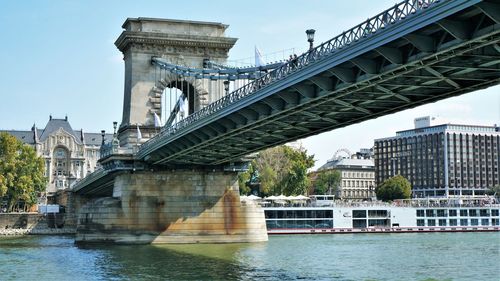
x=181, y=206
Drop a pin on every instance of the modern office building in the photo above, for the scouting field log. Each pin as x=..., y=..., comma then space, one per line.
x=68, y=154
x=358, y=174
x=441, y=160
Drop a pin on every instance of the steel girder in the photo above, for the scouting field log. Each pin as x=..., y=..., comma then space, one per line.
x=427, y=58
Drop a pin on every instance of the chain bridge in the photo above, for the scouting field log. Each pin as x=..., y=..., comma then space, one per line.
x=413, y=53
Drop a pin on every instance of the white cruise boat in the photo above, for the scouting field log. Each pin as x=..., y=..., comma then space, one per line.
x=324, y=215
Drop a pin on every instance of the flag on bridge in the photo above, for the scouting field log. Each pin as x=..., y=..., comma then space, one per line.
x=258, y=57
x=139, y=135
x=157, y=120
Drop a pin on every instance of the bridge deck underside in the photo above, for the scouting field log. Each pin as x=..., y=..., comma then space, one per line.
x=445, y=58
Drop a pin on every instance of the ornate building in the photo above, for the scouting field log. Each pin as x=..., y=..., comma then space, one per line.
x=357, y=172
x=68, y=154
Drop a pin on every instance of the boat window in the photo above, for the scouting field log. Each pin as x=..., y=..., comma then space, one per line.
x=453, y=222
x=464, y=222
x=329, y=214
x=302, y=224
x=299, y=214
x=463, y=213
x=494, y=212
x=320, y=214
x=377, y=213
x=359, y=213
x=441, y=213
x=270, y=214
x=472, y=213
x=452, y=213
x=290, y=214
x=271, y=224
x=324, y=224
x=378, y=222
x=281, y=214
x=309, y=224
x=420, y=222
x=495, y=221
x=430, y=213
x=474, y=222
x=442, y=222
x=431, y=222
x=420, y=213
x=310, y=214
x=484, y=213
x=485, y=221
x=357, y=223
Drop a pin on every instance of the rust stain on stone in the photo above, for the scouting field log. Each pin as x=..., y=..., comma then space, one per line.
x=230, y=201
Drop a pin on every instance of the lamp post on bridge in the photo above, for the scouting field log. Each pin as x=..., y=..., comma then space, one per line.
x=226, y=87
x=310, y=37
x=103, y=133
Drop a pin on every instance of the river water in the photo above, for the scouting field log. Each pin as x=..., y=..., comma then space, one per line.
x=409, y=256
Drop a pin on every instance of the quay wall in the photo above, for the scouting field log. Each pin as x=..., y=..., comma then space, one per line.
x=29, y=223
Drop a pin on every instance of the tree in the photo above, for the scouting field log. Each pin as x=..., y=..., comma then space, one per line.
x=281, y=170
x=494, y=190
x=21, y=172
x=397, y=187
x=327, y=182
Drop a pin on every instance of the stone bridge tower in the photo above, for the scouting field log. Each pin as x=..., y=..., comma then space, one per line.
x=180, y=42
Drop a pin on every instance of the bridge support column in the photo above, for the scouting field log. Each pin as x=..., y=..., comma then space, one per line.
x=172, y=207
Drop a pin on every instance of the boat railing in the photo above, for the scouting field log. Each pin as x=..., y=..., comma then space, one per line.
x=409, y=204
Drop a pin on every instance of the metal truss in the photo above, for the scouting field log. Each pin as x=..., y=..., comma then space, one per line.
x=414, y=53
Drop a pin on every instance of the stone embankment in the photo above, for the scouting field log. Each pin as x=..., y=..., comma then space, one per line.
x=31, y=224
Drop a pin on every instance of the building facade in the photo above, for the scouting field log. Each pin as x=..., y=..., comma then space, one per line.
x=357, y=173
x=68, y=154
x=441, y=160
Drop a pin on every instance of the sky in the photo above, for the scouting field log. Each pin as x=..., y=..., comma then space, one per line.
x=57, y=57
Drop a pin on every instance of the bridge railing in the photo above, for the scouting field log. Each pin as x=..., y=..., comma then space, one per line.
x=396, y=14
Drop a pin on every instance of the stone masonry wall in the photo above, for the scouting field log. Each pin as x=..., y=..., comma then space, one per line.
x=172, y=207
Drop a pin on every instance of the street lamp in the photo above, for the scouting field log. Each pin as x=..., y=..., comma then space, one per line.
x=103, y=133
x=115, y=124
x=310, y=37
x=226, y=87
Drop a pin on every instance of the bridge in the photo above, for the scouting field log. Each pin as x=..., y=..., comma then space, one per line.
x=414, y=53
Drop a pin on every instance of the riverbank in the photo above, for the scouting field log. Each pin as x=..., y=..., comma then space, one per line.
x=36, y=231
x=18, y=224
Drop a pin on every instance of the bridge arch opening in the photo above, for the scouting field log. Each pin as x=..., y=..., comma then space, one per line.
x=179, y=98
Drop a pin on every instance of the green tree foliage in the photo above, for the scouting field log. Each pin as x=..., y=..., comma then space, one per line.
x=397, y=187
x=327, y=182
x=21, y=172
x=494, y=190
x=281, y=170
